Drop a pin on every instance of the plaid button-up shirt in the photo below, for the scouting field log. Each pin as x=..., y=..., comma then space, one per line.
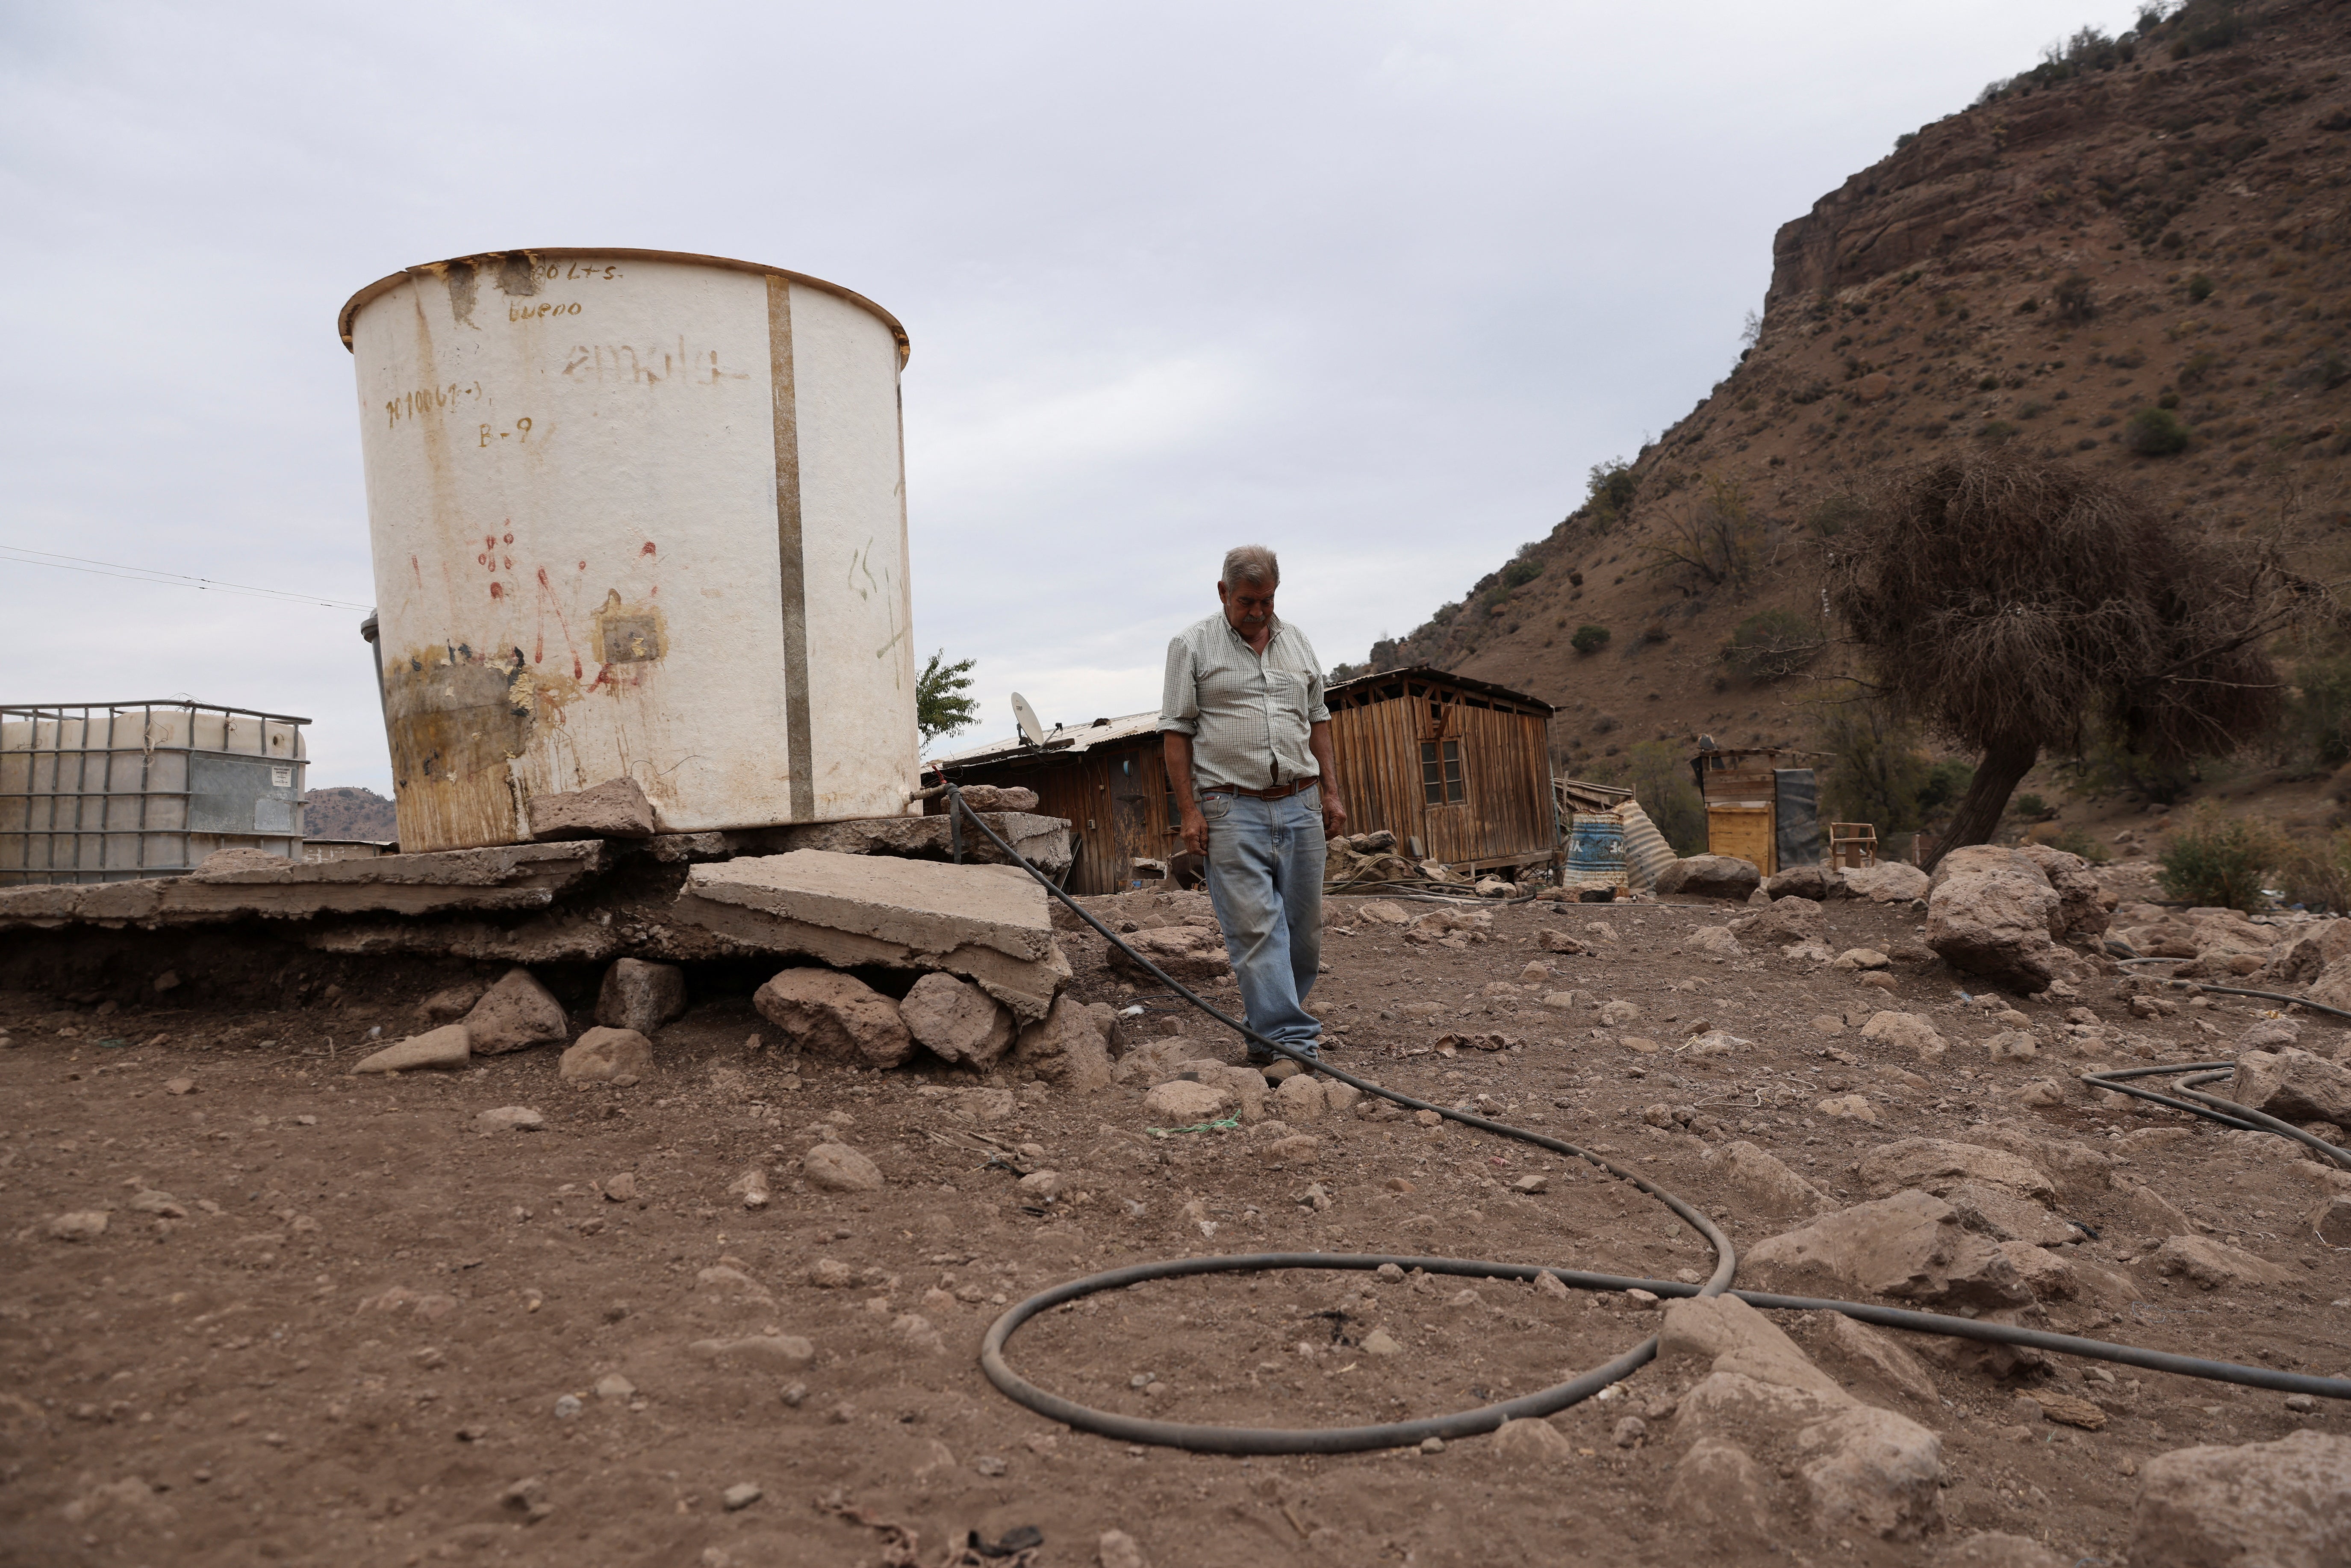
x=1248, y=714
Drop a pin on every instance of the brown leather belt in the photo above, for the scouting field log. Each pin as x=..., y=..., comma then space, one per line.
x=1278, y=792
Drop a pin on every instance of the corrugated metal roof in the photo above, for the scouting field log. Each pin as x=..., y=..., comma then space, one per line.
x=1079, y=737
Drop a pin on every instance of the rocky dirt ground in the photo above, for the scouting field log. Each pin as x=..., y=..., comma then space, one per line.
x=329, y=1319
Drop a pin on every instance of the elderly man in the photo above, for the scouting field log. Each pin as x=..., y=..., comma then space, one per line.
x=1247, y=743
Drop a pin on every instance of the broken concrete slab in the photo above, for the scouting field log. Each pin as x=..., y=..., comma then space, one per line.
x=510, y=877
x=448, y=1046
x=1042, y=841
x=987, y=923
x=616, y=809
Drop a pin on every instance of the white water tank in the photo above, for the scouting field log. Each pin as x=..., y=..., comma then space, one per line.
x=642, y=514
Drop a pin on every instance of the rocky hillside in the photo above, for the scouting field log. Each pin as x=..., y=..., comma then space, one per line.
x=2133, y=257
x=345, y=812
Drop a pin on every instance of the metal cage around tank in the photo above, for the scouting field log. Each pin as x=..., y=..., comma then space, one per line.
x=117, y=791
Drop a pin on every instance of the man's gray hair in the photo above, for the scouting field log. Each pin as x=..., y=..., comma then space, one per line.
x=1252, y=564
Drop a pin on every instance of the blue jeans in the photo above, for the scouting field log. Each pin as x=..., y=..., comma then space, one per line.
x=1264, y=878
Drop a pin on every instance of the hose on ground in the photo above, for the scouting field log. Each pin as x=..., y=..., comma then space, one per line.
x=2227, y=1113
x=1203, y=1439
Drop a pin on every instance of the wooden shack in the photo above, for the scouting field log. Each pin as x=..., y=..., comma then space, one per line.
x=1456, y=769
x=1757, y=810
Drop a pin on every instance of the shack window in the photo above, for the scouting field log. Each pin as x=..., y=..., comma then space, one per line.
x=1440, y=772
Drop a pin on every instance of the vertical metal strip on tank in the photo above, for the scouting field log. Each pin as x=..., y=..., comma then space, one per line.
x=800, y=751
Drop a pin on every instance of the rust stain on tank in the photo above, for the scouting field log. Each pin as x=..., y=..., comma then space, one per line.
x=457, y=720
x=627, y=633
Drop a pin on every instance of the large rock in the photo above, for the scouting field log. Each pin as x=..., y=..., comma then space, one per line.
x=1184, y=1102
x=1936, y=1165
x=837, y=1167
x=1866, y=1469
x=640, y=996
x=2082, y=1173
x=1873, y=1358
x=1065, y=1049
x=2286, y=1504
x=616, y=809
x=2003, y=1215
x=1817, y=882
x=1909, y=1247
x=987, y=923
x=514, y=1014
x=1719, y=1488
x=1791, y=918
x=1907, y=1031
x=2293, y=1085
x=1890, y=882
x=1764, y=1187
x=2304, y=956
x=2333, y=986
x=837, y=1016
x=607, y=1056
x=1710, y=876
x=2213, y=1265
x=2084, y=905
x=1192, y=954
x=956, y=1021
x=448, y=1046
x=1990, y=912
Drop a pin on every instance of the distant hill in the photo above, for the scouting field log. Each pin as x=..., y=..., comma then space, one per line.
x=346, y=812
x=2137, y=256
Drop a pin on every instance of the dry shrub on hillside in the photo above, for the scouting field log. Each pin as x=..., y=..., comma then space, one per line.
x=2008, y=600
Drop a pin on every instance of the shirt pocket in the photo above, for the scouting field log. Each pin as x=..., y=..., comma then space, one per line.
x=1286, y=694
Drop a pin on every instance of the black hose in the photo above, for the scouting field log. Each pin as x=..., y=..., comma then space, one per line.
x=1352, y=1439
x=1270, y=1440
x=2178, y=985
x=2211, y=1107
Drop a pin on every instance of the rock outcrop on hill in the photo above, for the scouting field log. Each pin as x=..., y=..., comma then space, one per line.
x=2160, y=237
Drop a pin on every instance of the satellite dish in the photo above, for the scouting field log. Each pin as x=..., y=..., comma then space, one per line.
x=1032, y=733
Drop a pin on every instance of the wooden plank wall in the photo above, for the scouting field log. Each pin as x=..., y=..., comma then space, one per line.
x=1083, y=789
x=1506, y=773
x=1506, y=815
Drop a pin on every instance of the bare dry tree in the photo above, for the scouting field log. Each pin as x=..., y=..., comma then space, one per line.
x=2008, y=600
x=1715, y=537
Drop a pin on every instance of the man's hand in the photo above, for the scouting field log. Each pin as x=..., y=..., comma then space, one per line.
x=1334, y=815
x=1194, y=828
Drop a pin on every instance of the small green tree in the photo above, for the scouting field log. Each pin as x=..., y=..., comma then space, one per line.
x=2156, y=433
x=1880, y=769
x=1589, y=639
x=2220, y=863
x=940, y=706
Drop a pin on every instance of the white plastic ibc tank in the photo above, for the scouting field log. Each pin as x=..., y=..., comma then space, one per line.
x=641, y=513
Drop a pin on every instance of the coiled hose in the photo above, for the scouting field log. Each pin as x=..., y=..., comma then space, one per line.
x=1212, y=1440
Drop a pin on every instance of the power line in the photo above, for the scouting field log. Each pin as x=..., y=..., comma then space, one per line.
x=22, y=556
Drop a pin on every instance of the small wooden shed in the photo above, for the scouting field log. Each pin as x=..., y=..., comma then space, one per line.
x=1456, y=769
x=1757, y=810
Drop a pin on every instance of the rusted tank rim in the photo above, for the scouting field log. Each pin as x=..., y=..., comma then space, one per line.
x=425, y=269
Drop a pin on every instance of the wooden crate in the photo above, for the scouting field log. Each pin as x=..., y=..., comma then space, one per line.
x=1852, y=845
x=1744, y=831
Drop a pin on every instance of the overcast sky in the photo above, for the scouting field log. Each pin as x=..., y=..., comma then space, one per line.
x=1372, y=284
